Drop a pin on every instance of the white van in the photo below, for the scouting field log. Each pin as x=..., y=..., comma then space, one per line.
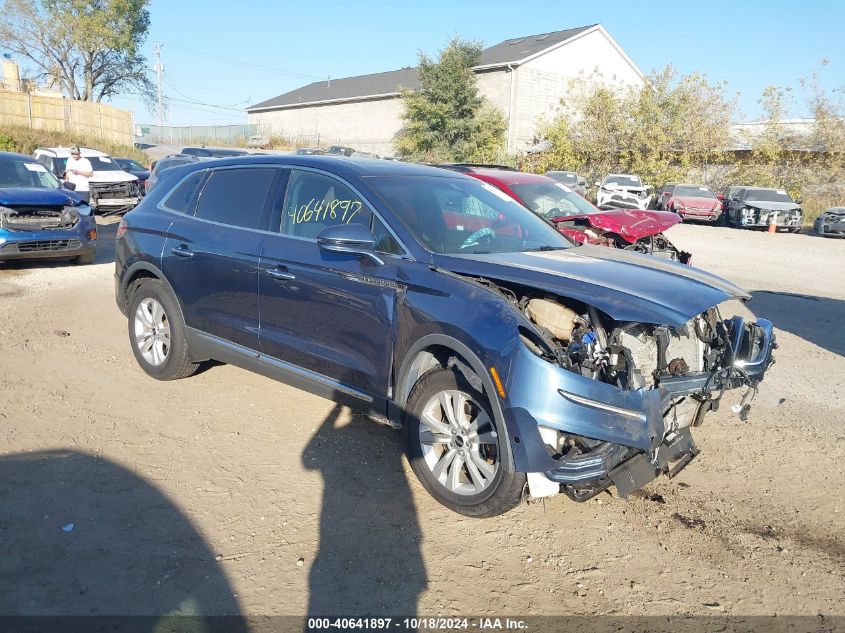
x=112, y=190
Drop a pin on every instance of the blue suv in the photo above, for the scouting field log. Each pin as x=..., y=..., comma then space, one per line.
x=436, y=303
x=39, y=217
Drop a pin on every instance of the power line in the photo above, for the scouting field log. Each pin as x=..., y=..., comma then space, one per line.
x=234, y=107
x=240, y=62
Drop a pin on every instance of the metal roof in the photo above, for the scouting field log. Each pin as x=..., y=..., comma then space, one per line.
x=390, y=83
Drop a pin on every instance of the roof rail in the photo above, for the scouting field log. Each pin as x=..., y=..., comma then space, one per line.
x=468, y=166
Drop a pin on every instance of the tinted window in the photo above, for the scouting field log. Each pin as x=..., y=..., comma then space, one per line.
x=167, y=163
x=625, y=181
x=566, y=177
x=183, y=196
x=315, y=201
x=236, y=196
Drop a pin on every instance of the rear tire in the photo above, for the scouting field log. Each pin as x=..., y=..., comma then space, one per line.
x=157, y=332
x=460, y=455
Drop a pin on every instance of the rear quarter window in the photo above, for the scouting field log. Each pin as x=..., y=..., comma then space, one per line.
x=183, y=197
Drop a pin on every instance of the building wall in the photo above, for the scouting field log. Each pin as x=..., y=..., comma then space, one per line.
x=365, y=125
x=543, y=82
x=539, y=86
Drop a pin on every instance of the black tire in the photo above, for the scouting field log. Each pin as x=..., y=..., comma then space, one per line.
x=505, y=489
x=178, y=362
x=86, y=258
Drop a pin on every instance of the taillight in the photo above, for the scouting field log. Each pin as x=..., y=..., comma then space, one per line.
x=122, y=228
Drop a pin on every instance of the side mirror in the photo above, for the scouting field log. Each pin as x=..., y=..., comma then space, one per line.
x=70, y=186
x=582, y=182
x=350, y=239
x=735, y=198
x=798, y=201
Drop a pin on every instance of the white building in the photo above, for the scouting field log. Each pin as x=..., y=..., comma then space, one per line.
x=525, y=77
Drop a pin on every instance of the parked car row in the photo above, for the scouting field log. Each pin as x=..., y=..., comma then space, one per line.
x=434, y=301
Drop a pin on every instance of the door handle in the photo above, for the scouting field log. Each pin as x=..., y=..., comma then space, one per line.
x=182, y=251
x=279, y=273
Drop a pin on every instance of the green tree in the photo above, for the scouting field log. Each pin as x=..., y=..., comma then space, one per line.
x=446, y=119
x=661, y=130
x=91, y=48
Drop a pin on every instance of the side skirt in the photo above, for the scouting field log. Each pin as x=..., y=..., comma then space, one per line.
x=204, y=345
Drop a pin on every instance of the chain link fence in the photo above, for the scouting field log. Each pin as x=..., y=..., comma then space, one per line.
x=229, y=135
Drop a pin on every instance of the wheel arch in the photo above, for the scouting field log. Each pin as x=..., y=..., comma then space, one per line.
x=435, y=350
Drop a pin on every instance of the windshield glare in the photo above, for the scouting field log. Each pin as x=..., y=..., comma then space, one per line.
x=21, y=173
x=551, y=200
x=625, y=181
x=689, y=191
x=459, y=216
x=768, y=195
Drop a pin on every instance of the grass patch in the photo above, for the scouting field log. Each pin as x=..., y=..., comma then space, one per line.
x=26, y=141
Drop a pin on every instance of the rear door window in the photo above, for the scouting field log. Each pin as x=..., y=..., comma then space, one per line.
x=315, y=201
x=237, y=197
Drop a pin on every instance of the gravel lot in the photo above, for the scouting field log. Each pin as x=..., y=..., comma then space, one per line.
x=228, y=492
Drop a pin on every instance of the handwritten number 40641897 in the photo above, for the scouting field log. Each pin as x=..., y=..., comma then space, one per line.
x=319, y=211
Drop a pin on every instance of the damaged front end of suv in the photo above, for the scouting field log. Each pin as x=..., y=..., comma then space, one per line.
x=602, y=394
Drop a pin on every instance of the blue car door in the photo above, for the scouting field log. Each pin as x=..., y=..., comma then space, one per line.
x=328, y=313
x=211, y=257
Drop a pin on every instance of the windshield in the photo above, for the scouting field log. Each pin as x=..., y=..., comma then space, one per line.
x=23, y=173
x=689, y=191
x=625, y=181
x=768, y=195
x=128, y=163
x=458, y=216
x=566, y=177
x=98, y=163
x=552, y=199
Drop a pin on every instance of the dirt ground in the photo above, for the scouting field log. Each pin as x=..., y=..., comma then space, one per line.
x=230, y=493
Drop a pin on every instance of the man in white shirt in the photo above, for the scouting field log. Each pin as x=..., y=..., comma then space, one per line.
x=78, y=170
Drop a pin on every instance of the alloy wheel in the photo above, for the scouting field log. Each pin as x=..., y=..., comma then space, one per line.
x=459, y=442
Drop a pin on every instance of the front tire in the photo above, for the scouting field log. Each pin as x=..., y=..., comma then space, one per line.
x=456, y=449
x=157, y=332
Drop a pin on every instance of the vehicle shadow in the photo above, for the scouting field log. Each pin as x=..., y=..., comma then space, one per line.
x=815, y=319
x=82, y=535
x=370, y=559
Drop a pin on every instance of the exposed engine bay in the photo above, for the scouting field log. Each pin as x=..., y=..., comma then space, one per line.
x=38, y=218
x=693, y=365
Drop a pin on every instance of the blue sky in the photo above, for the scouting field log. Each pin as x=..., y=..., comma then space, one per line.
x=748, y=44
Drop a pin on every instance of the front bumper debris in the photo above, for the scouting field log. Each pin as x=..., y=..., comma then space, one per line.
x=643, y=441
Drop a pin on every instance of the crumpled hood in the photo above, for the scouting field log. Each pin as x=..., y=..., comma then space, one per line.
x=37, y=197
x=698, y=203
x=112, y=176
x=630, y=224
x=626, y=285
x=772, y=206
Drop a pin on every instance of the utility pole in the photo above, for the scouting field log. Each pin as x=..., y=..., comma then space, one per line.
x=159, y=70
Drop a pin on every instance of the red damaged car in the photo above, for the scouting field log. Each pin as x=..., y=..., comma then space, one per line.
x=694, y=202
x=575, y=217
